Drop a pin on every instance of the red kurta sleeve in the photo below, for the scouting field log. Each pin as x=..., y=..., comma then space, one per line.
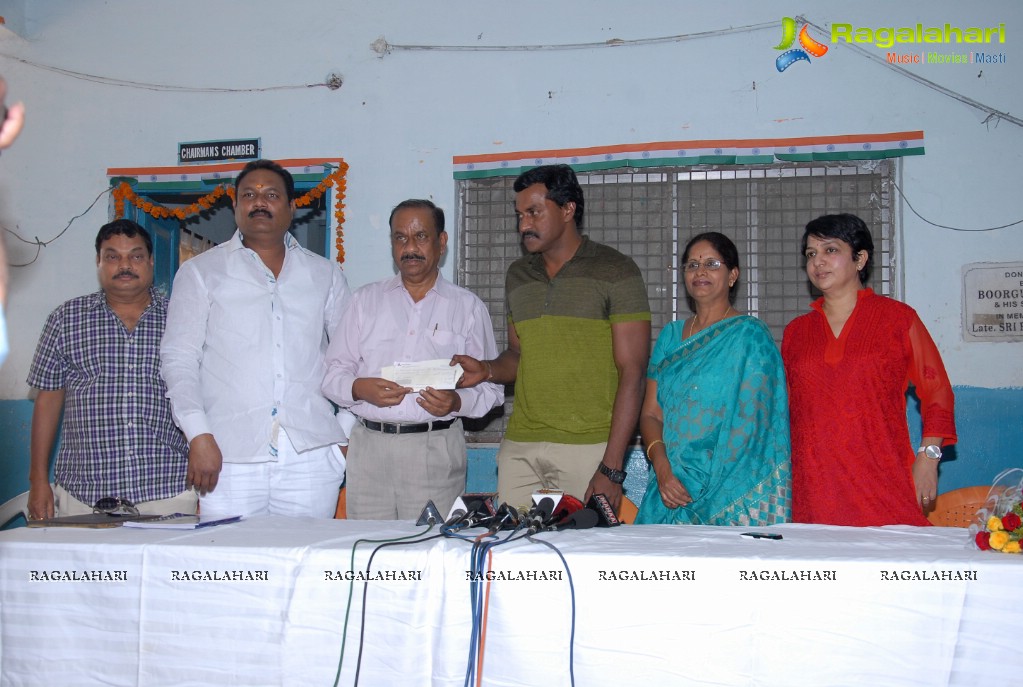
x=927, y=374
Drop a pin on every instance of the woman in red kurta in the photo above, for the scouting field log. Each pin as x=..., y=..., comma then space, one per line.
x=848, y=363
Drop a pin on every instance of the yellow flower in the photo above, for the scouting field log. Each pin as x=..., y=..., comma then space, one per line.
x=1011, y=547
x=994, y=524
x=999, y=539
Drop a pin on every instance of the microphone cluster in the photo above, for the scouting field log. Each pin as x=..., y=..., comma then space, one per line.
x=567, y=514
x=552, y=511
x=470, y=510
x=549, y=513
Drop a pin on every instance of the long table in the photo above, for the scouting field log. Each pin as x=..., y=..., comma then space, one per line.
x=263, y=602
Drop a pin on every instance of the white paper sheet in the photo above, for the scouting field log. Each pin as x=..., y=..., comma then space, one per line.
x=180, y=521
x=439, y=374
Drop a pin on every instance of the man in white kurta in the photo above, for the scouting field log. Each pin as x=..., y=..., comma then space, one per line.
x=408, y=447
x=243, y=358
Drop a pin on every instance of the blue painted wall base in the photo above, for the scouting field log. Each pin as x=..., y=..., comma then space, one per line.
x=988, y=422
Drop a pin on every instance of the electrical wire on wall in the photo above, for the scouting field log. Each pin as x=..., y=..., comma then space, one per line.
x=39, y=244
x=992, y=113
x=943, y=226
x=42, y=244
x=382, y=47
x=333, y=81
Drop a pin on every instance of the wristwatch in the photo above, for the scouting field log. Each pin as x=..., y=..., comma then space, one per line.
x=616, y=476
x=933, y=452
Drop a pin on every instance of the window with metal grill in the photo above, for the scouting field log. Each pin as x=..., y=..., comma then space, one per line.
x=650, y=214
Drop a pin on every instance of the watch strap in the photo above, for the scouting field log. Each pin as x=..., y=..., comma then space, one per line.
x=616, y=476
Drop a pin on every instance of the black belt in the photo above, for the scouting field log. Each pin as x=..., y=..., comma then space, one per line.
x=417, y=428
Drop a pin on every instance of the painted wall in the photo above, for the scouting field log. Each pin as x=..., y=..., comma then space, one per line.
x=991, y=411
x=402, y=114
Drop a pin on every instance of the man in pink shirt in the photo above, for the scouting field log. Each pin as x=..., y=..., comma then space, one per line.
x=408, y=446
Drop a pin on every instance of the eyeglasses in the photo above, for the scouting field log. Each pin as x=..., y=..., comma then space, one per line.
x=711, y=265
x=115, y=505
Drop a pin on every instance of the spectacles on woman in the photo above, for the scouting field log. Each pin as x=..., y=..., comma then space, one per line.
x=710, y=264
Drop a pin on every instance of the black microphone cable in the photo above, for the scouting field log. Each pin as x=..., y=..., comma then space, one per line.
x=571, y=588
x=410, y=539
x=479, y=557
x=480, y=562
x=404, y=541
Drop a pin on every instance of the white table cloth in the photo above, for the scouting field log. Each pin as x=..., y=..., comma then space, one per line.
x=656, y=605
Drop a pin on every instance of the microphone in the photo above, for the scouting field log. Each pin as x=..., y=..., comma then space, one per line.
x=482, y=514
x=582, y=519
x=506, y=518
x=566, y=506
x=469, y=510
x=606, y=516
x=465, y=501
x=430, y=514
x=457, y=515
x=538, y=515
x=553, y=494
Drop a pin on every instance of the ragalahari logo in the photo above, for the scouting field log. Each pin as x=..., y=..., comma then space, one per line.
x=788, y=37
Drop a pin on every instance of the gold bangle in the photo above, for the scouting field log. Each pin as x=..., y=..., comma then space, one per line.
x=490, y=370
x=652, y=444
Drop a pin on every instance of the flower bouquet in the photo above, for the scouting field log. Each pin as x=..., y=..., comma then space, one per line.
x=999, y=524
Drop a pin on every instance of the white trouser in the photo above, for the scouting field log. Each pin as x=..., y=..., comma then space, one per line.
x=295, y=484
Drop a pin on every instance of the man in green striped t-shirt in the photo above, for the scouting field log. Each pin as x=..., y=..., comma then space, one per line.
x=578, y=343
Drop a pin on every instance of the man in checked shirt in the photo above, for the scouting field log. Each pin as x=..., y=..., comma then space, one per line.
x=98, y=361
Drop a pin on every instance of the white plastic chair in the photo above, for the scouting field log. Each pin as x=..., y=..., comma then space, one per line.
x=13, y=508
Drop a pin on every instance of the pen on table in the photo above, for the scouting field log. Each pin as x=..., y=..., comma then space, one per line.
x=435, y=330
x=761, y=535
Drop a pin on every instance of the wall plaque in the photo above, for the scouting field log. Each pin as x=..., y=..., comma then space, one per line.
x=993, y=301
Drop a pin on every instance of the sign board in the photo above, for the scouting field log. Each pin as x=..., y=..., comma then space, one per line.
x=993, y=301
x=218, y=151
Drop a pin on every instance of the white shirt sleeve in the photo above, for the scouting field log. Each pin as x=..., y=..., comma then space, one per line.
x=337, y=301
x=181, y=351
x=342, y=358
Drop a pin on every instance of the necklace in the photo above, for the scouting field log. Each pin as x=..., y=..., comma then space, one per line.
x=692, y=322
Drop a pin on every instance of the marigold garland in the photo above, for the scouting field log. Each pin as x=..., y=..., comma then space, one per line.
x=338, y=181
x=123, y=193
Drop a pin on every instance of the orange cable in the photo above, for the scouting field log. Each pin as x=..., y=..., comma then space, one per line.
x=483, y=622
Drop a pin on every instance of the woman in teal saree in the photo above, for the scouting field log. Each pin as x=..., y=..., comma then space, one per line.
x=715, y=417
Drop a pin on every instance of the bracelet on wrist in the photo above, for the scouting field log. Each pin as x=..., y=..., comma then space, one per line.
x=651, y=445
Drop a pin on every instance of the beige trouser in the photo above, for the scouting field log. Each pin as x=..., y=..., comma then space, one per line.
x=392, y=476
x=524, y=467
x=185, y=502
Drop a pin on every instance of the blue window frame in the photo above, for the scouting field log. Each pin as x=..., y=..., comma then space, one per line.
x=216, y=225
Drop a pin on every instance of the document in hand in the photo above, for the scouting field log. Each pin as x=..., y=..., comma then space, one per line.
x=438, y=374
